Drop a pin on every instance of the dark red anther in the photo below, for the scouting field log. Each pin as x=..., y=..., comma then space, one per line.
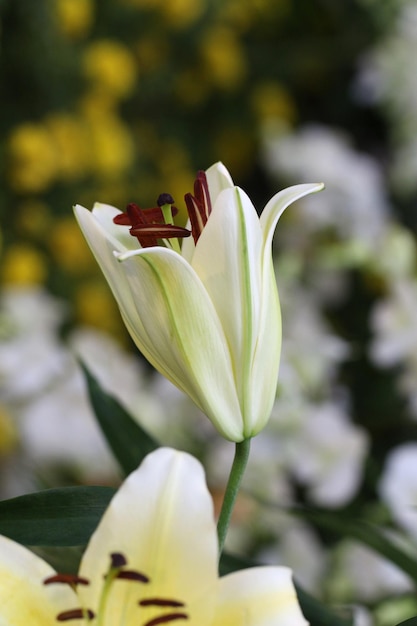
x=160, y=602
x=132, y=575
x=117, y=560
x=164, y=619
x=159, y=231
x=138, y=218
x=65, y=616
x=165, y=198
x=67, y=579
x=198, y=205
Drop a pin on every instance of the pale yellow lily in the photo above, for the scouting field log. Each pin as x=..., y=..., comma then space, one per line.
x=207, y=316
x=152, y=560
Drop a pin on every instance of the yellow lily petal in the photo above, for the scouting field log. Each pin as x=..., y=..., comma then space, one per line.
x=24, y=599
x=261, y=596
x=162, y=520
x=159, y=535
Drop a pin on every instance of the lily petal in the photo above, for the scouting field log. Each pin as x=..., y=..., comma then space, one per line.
x=261, y=596
x=103, y=246
x=162, y=520
x=105, y=213
x=228, y=261
x=23, y=597
x=177, y=328
x=268, y=348
x=277, y=205
x=218, y=179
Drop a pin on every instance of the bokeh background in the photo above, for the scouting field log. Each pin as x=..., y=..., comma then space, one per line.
x=119, y=100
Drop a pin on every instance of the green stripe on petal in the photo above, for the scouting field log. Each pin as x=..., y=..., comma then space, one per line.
x=180, y=334
x=228, y=261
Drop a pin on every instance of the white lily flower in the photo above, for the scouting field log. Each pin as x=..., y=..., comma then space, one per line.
x=206, y=315
x=152, y=560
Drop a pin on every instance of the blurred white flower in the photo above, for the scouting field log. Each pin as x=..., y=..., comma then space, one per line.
x=395, y=254
x=388, y=77
x=398, y=486
x=43, y=390
x=354, y=203
x=361, y=616
x=299, y=547
x=393, y=322
x=328, y=454
x=311, y=351
x=121, y=374
x=59, y=432
x=31, y=355
x=360, y=574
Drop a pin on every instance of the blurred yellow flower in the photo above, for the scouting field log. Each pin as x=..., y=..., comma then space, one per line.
x=189, y=89
x=69, y=136
x=182, y=13
x=241, y=14
x=111, y=146
x=23, y=265
x=32, y=158
x=74, y=18
x=8, y=432
x=151, y=52
x=110, y=67
x=67, y=245
x=269, y=100
x=237, y=146
x=95, y=306
x=33, y=218
x=143, y=4
x=223, y=58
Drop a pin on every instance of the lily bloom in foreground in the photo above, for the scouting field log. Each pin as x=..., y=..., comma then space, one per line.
x=152, y=560
x=205, y=314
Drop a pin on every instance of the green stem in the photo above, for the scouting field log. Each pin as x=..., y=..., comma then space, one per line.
x=236, y=474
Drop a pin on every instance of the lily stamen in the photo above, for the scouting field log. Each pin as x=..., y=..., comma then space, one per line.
x=164, y=619
x=198, y=205
x=68, y=579
x=160, y=602
x=132, y=575
x=151, y=225
x=66, y=616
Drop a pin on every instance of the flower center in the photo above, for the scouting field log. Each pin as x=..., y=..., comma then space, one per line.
x=118, y=570
x=149, y=226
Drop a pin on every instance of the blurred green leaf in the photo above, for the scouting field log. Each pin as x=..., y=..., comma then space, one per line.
x=409, y=622
x=314, y=611
x=62, y=559
x=364, y=532
x=54, y=517
x=129, y=442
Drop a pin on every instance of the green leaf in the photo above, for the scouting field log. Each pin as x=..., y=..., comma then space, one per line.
x=62, y=559
x=314, y=611
x=409, y=622
x=54, y=517
x=362, y=531
x=129, y=442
